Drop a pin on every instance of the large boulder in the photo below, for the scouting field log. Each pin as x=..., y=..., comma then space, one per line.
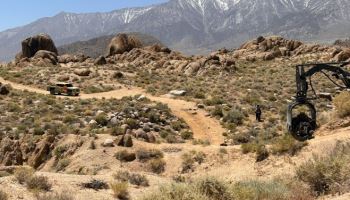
x=32, y=45
x=123, y=43
x=82, y=72
x=46, y=55
x=342, y=56
x=125, y=141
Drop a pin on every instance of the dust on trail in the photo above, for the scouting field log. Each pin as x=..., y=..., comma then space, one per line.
x=203, y=127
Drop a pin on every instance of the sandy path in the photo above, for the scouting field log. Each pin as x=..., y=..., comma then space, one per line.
x=203, y=127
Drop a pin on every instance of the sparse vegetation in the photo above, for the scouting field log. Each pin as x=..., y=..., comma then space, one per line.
x=125, y=156
x=64, y=195
x=214, y=189
x=38, y=183
x=189, y=159
x=287, y=144
x=157, y=165
x=328, y=174
x=23, y=174
x=144, y=155
x=132, y=178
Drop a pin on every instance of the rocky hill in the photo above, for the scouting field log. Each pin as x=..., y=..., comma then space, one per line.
x=154, y=124
x=98, y=46
x=196, y=25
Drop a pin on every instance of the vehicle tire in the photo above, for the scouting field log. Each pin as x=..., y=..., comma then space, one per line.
x=52, y=92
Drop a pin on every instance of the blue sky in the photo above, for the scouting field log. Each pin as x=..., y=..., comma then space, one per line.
x=20, y=12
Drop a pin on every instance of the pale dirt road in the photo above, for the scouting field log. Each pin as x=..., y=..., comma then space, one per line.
x=203, y=127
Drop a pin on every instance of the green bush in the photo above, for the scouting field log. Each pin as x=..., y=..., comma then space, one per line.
x=147, y=154
x=125, y=156
x=186, y=135
x=132, y=178
x=101, y=119
x=157, y=165
x=62, y=164
x=287, y=144
x=214, y=189
x=217, y=112
x=234, y=116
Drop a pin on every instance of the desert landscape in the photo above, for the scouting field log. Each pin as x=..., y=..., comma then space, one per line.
x=151, y=122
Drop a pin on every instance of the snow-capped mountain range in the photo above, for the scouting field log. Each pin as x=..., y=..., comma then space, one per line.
x=196, y=25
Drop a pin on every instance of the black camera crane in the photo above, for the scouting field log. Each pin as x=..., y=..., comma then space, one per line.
x=302, y=127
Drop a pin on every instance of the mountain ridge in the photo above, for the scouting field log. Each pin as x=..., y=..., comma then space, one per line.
x=196, y=25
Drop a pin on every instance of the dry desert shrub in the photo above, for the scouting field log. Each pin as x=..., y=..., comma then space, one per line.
x=120, y=190
x=328, y=174
x=3, y=195
x=342, y=103
x=23, y=174
x=65, y=195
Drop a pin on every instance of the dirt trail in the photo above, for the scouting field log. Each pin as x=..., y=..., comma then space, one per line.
x=203, y=127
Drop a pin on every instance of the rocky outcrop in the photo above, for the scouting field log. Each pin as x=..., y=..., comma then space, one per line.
x=67, y=58
x=123, y=43
x=10, y=152
x=41, y=152
x=343, y=55
x=125, y=141
x=32, y=45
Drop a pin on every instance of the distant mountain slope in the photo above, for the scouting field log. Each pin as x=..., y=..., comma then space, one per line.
x=98, y=46
x=197, y=24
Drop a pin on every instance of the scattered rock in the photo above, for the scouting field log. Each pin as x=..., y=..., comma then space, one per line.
x=100, y=61
x=108, y=143
x=178, y=92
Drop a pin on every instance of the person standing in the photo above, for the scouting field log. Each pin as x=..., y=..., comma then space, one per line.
x=258, y=113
